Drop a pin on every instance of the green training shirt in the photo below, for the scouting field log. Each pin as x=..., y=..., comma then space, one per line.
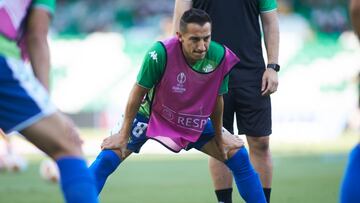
x=154, y=64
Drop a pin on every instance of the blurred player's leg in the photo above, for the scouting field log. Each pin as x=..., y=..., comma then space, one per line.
x=56, y=136
x=25, y=106
x=350, y=192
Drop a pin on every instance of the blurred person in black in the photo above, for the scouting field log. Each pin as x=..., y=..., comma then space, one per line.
x=236, y=25
x=350, y=191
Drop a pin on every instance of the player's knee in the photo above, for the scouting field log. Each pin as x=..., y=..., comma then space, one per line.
x=126, y=154
x=74, y=142
x=260, y=145
x=240, y=152
x=262, y=148
x=69, y=143
x=231, y=152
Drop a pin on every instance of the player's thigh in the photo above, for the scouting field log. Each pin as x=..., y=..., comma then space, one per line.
x=253, y=111
x=207, y=143
x=207, y=135
x=25, y=106
x=212, y=149
x=55, y=134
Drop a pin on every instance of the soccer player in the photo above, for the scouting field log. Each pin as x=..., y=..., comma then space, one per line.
x=236, y=25
x=24, y=101
x=350, y=191
x=179, y=87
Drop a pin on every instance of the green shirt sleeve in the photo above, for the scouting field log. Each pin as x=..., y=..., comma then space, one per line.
x=217, y=52
x=267, y=5
x=48, y=5
x=153, y=66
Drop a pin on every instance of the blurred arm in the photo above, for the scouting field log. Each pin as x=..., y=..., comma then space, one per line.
x=180, y=7
x=355, y=16
x=36, y=42
x=270, y=25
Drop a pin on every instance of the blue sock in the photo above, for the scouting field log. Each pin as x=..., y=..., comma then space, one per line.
x=246, y=178
x=104, y=165
x=350, y=191
x=77, y=183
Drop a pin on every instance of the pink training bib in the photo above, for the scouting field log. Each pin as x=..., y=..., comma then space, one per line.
x=12, y=13
x=184, y=99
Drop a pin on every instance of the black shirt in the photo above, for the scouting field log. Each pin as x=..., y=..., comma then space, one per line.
x=235, y=23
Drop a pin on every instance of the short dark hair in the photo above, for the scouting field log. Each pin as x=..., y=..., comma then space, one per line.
x=193, y=15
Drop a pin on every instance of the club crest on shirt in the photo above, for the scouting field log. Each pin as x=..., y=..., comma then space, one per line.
x=168, y=114
x=179, y=87
x=208, y=68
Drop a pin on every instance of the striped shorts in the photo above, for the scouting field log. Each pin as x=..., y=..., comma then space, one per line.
x=23, y=100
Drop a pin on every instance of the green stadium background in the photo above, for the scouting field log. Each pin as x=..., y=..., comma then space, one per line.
x=97, y=49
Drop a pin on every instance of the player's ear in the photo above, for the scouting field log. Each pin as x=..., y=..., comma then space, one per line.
x=178, y=34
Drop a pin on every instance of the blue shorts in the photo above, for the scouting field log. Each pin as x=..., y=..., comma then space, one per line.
x=23, y=100
x=138, y=135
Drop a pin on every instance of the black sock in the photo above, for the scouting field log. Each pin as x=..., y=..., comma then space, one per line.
x=267, y=192
x=224, y=196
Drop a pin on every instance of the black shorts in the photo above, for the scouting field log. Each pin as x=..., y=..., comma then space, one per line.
x=252, y=111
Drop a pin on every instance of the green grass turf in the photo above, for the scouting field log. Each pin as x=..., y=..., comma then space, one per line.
x=310, y=178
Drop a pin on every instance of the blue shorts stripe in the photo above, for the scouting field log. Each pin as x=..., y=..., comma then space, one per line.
x=23, y=100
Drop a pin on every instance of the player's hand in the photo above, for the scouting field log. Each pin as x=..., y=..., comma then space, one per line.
x=111, y=142
x=116, y=141
x=220, y=145
x=230, y=141
x=269, y=82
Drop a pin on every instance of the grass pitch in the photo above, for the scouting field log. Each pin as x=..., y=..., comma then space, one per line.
x=305, y=171
x=311, y=178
